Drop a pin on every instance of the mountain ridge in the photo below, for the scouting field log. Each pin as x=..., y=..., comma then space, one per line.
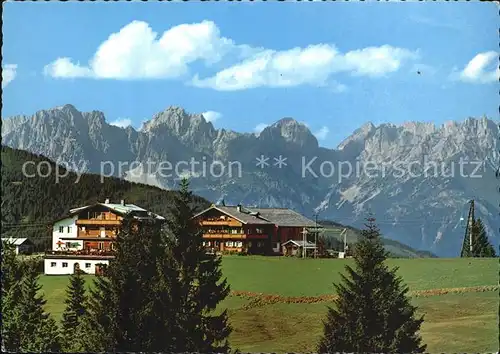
x=420, y=210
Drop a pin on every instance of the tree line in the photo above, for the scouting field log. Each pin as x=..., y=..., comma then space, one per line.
x=161, y=291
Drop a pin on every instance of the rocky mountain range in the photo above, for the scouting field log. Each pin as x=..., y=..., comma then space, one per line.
x=415, y=178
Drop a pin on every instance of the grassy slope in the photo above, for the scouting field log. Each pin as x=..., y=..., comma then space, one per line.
x=311, y=277
x=454, y=322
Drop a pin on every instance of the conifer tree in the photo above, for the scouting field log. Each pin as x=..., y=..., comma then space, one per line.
x=74, y=311
x=38, y=332
x=94, y=330
x=481, y=246
x=119, y=312
x=199, y=286
x=372, y=312
x=11, y=292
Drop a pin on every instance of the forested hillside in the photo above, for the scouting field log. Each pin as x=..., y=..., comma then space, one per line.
x=30, y=204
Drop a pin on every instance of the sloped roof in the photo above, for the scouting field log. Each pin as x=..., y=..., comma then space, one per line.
x=245, y=218
x=301, y=243
x=15, y=241
x=275, y=216
x=119, y=208
x=285, y=217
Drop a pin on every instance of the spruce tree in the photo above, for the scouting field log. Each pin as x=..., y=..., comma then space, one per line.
x=198, y=287
x=11, y=292
x=481, y=246
x=119, y=311
x=38, y=332
x=74, y=311
x=372, y=312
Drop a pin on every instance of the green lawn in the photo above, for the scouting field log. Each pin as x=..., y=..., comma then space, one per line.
x=454, y=322
x=312, y=277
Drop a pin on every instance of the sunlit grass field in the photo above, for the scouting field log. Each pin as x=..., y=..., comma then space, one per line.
x=458, y=322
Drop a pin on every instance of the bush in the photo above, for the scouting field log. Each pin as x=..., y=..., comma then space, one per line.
x=34, y=261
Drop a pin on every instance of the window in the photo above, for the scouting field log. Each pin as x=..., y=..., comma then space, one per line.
x=61, y=229
x=53, y=264
x=229, y=243
x=259, y=231
x=65, y=265
x=69, y=229
x=238, y=244
x=87, y=265
x=101, y=245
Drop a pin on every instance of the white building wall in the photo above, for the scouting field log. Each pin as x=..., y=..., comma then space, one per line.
x=55, y=266
x=72, y=232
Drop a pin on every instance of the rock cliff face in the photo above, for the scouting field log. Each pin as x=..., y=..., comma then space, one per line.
x=416, y=178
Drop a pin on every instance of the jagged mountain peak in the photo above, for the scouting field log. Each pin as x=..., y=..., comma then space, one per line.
x=65, y=107
x=178, y=121
x=292, y=131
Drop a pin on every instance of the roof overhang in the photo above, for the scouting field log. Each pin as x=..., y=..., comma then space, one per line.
x=212, y=207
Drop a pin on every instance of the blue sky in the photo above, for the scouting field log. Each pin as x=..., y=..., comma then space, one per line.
x=333, y=66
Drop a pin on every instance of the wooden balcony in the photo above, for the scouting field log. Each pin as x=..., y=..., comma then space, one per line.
x=82, y=254
x=229, y=236
x=98, y=222
x=95, y=234
x=220, y=223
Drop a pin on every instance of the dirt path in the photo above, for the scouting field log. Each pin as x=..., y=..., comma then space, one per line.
x=260, y=299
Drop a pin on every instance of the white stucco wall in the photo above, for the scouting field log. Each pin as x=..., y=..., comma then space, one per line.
x=58, y=269
x=65, y=223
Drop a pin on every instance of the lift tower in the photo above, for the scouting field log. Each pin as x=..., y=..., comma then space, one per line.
x=467, y=244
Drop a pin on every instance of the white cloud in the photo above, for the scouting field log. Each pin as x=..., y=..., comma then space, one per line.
x=122, y=123
x=211, y=116
x=322, y=133
x=312, y=65
x=9, y=72
x=260, y=127
x=137, y=52
x=483, y=68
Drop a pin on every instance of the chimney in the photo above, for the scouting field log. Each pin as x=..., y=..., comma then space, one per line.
x=122, y=202
x=238, y=207
x=106, y=201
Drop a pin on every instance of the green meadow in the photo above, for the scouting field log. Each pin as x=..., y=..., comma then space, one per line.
x=459, y=298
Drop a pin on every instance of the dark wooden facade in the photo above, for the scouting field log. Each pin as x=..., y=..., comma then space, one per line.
x=231, y=232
